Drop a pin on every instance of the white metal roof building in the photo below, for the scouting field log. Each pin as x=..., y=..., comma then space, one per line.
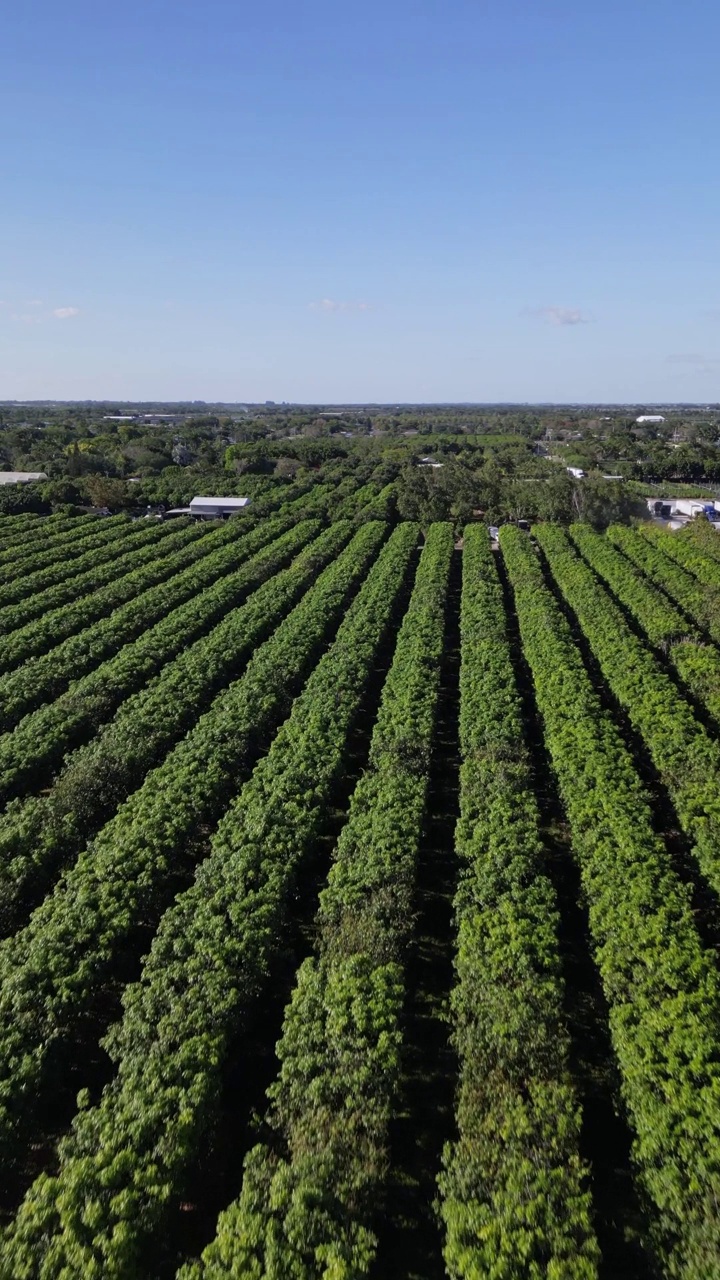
x=217, y=507
x=650, y=417
x=21, y=477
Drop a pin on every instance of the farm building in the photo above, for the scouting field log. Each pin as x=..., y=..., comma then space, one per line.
x=217, y=508
x=21, y=477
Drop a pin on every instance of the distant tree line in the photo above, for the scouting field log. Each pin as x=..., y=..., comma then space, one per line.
x=504, y=462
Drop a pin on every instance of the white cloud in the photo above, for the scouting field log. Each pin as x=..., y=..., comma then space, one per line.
x=34, y=302
x=330, y=305
x=64, y=313
x=561, y=315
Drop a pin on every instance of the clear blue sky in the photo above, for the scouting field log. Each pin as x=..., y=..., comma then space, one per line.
x=398, y=201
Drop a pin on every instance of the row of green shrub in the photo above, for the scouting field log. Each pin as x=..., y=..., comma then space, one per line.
x=686, y=757
x=696, y=661
x=662, y=988
x=30, y=568
x=41, y=738
x=42, y=832
x=308, y=1204
x=514, y=1191
x=679, y=584
x=25, y=597
x=30, y=529
x=687, y=552
x=103, y=909
x=127, y=1159
x=142, y=569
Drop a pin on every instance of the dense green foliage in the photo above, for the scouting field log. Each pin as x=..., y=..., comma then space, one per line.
x=309, y=1198
x=57, y=553
x=514, y=1197
x=228, y=771
x=30, y=532
x=681, y=586
x=662, y=989
x=122, y=882
x=42, y=739
x=688, y=553
x=148, y=566
x=44, y=831
x=380, y=507
x=704, y=535
x=126, y=1157
x=686, y=757
x=696, y=661
x=26, y=597
x=37, y=834
x=663, y=624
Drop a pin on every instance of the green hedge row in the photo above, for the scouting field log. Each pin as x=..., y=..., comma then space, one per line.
x=308, y=1201
x=514, y=1194
x=138, y=570
x=39, y=742
x=677, y=583
x=22, y=562
x=65, y=959
x=685, y=756
x=58, y=624
x=663, y=624
x=21, y=534
x=347, y=507
x=382, y=507
x=101, y=623
x=43, y=832
x=686, y=552
x=661, y=987
x=704, y=535
x=697, y=662
x=27, y=598
x=127, y=1159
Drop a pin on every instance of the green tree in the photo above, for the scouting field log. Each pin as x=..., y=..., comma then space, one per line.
x=603, y=502
x=106, y=492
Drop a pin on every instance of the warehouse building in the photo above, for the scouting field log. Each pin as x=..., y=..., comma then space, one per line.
x=21, y=477
x=217, y=508
x=211, y=508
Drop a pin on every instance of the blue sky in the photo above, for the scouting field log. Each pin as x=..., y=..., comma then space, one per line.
x=399, y=201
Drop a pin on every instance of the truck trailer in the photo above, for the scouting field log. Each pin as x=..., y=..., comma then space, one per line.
x=696, y=507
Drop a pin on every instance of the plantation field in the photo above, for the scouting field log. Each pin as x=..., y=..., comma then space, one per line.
x=359, y=898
